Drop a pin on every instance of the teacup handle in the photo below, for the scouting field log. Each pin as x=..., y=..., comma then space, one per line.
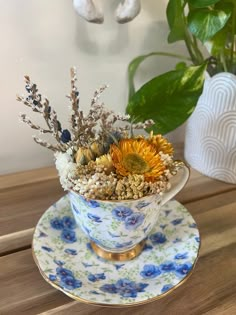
x=177, y=187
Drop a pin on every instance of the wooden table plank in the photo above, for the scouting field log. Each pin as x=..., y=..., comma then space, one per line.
x=22, y=290
x=27, y=177
x=21, y=207
x=212, y=284
x=15, y=241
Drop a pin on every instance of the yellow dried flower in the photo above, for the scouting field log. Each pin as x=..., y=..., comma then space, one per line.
x=97, y=148
x=106, y=161
x=137, y=156
x=83, y=156
x=161, y=144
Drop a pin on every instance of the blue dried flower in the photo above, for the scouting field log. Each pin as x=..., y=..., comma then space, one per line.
x=65, y=136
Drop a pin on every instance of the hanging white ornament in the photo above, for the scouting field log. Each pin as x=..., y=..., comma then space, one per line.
x=88, y=11
x=127, y=11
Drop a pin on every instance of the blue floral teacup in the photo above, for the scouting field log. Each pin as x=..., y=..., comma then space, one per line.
x=118, y=229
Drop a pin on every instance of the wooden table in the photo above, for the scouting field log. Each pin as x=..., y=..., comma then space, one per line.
x=210, y=290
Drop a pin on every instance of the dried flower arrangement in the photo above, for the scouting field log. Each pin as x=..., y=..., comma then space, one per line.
x=98, y=158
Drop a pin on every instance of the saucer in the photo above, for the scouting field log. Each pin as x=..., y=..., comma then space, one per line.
x=66, y=260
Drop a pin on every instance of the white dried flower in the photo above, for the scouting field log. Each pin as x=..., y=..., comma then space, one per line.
x=66, y=169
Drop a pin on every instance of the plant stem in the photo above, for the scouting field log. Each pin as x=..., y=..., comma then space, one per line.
x=162, y=53
x=197, y=50
x=232, y=39
x=188, y=44
x=222, y=59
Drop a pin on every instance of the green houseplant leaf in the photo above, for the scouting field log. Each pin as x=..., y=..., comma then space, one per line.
x=202, y=3
x=205, y=23
x=168, y=99
x=134, y=64
x=175, y=20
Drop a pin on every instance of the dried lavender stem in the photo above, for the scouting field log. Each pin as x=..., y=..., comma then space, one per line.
x=26, y=120
x=47, y=145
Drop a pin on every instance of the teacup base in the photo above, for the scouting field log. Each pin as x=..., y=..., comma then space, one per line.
x=118, y=256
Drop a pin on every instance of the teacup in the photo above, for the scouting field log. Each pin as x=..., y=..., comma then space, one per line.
x=118, y=229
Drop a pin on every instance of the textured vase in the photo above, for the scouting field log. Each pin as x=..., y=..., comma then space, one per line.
x=210, y=141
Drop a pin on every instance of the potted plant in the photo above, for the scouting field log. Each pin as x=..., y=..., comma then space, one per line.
x=208, y=29
x=116, y=181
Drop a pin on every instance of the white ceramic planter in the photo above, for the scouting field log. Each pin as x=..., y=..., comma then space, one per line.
x=210, y=141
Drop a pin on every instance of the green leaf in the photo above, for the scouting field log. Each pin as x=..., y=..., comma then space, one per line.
x=134, y=64
x=202, y=3
x=216, y=45
x=205, y=23
x=181, y=66
x=168, y=99
x=175, y=18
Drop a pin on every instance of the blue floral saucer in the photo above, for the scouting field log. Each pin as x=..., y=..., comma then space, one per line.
x=65, y=259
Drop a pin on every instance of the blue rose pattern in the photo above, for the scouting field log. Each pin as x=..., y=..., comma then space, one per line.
x=158, y=238
x=90, y=203
x=68, y=236
x=167, y=266
x=181, y=256
x=122, y=245
x=47, y=249
x=42, y=234
x=72, y=252
x=177, y=221
x=134, y=220
x=147, y=247
x=131, y=220
x=52, y=277
x=177, y=240
x=119, y=266
x=109, y=288
x=125, y=288
x=150, y=271
x=142, y=204
x=96, y=277
x=66, y=224
x=63, y=272
x=94, y=218
x=56, y=224
x=75, y=209
x=166, y=287
x=94, y=292
x=70, y=283
x=58, y=262
x=66, y=278
x=193, y=225
x=89, y=247
x=121, y=213
x=182, y=270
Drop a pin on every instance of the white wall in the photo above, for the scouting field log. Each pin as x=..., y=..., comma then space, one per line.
x=44, y=38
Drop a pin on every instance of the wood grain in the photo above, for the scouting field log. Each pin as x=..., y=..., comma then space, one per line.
x=21, y=207
x=27, y=177
x=212, y=284
x=22, y=289
x=15, y=241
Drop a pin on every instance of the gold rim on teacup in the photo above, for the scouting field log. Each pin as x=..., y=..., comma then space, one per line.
x=116, y=256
